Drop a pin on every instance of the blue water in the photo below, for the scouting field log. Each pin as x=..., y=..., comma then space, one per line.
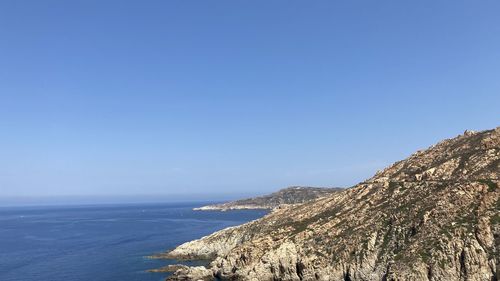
x=100, y=243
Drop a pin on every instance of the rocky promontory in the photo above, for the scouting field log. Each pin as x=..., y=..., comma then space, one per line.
x=433, y=216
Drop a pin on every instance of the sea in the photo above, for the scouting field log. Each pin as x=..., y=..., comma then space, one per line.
x=101, y=242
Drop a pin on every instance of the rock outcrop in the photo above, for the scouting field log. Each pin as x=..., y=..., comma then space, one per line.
x=433, y=216
x=286, y=196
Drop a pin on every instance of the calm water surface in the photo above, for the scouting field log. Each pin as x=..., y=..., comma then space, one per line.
x=100, y=243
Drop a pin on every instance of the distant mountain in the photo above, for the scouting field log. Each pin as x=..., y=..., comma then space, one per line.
x=290, y=195
x=433, y=216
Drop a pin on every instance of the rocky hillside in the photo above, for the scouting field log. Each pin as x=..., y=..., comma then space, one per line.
x=290, y=195
x=432, y=216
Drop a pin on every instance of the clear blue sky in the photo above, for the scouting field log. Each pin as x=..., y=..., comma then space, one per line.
x=195, y=97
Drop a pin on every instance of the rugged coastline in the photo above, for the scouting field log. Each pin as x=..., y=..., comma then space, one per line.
x=432, y=216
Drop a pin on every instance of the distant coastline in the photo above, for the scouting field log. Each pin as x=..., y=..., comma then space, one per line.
x=287, y=196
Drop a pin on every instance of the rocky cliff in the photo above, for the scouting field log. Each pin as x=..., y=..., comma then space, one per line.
x=289, y=195
x=432, y=216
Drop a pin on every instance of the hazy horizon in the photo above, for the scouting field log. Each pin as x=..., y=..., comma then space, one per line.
x=115, y=99
x=80, y=200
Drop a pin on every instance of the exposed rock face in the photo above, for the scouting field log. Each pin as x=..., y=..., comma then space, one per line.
x=433, y=216
x=198, y=273
x=286, y=196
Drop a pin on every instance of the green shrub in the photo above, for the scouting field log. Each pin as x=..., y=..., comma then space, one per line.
x=492, y=186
